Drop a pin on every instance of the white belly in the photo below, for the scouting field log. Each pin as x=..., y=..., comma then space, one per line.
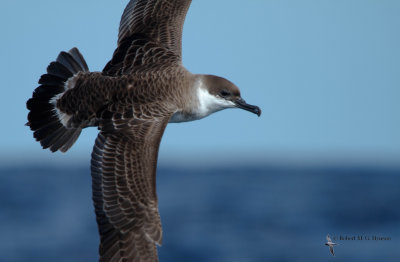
x=180, y=117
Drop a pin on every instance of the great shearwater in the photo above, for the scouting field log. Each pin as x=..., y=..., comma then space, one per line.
x=142, y=89
x=330, y=244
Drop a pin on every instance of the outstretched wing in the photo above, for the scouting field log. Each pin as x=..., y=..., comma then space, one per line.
x=150, y=35
x=328, y=238
x=123, y=167
x=161, y=20
x=332, y=251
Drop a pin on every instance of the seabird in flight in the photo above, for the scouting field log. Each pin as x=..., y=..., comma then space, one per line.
x=141, y=89
x=330, y=244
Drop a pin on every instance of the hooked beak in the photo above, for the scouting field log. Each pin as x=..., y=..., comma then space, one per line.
x=240, y=103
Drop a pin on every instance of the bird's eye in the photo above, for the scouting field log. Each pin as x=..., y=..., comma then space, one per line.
x=224, y=93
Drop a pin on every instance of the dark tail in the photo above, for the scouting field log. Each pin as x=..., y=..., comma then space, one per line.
x=44, y=119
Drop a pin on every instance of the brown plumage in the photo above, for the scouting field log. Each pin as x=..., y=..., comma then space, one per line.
x=141, y=89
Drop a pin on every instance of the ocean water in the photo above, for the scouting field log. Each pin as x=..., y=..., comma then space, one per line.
x=254, y=213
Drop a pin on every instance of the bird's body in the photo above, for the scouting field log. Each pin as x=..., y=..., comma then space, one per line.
x=141, y=90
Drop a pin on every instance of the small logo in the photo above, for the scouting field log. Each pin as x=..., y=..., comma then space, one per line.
x=330, y=244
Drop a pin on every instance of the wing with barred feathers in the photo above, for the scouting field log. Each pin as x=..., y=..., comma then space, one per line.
x=161, y=20
x=124, y=162
x=150, y=36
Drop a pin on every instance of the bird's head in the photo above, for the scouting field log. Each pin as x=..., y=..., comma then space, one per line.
x=217, y=93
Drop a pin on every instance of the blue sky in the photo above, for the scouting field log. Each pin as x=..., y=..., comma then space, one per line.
x=325, y=73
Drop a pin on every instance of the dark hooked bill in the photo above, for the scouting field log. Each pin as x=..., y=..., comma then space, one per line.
x=240, y=103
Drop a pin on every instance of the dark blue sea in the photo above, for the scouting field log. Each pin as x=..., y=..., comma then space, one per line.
x=236, y=214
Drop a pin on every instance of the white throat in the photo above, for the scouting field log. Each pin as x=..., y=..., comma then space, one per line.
x=204, y=105
x=208, y=103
